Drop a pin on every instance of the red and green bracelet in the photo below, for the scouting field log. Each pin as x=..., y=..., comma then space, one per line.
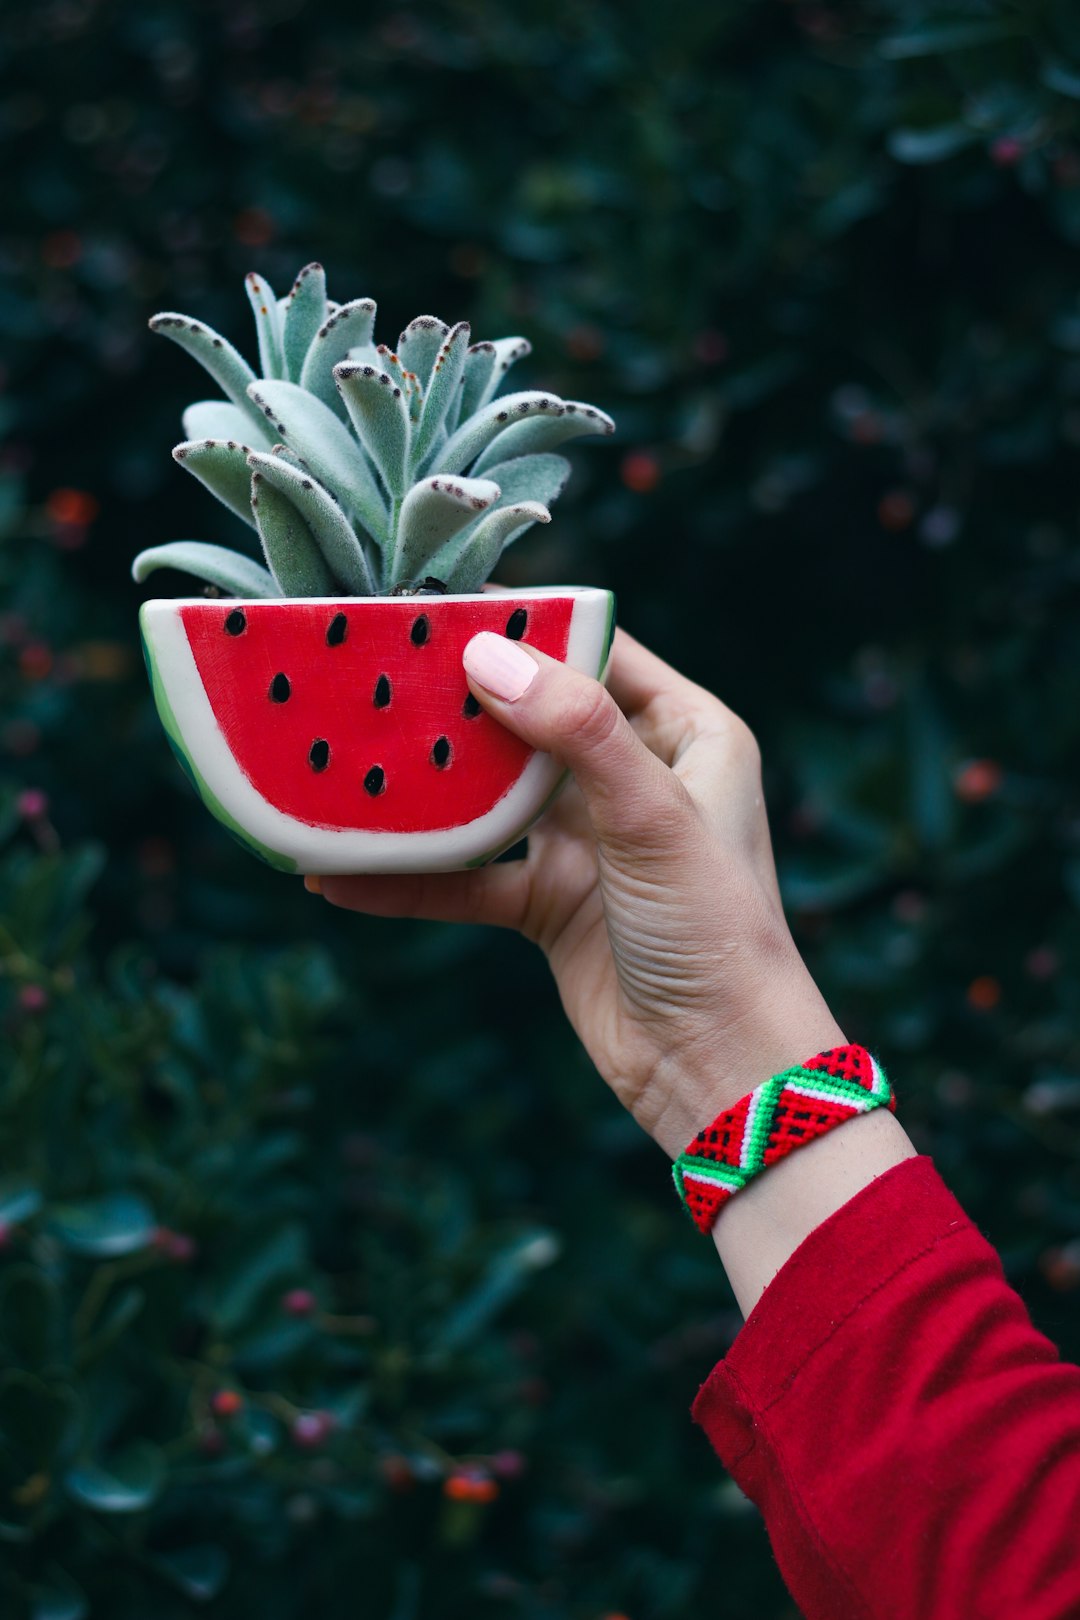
x=784, y=1113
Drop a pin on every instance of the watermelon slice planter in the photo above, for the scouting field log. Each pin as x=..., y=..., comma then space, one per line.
x=317, y=697
x=338, y=734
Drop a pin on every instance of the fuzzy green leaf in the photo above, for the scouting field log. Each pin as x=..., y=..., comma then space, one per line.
x=264, y=307
x=434, y=510
x=114, y=1224
x=473, y=437
x=508, y=351
x=341, y=550
x=19, y=1201
x=476, y=374
x=129, y=1483
x=380, y=416
x=229, y=370
x=231, y=572
x=544, y=432
x=384, y=359
x=314, y=433
x=418, y=346
x=530, y=478
x=303, y=317
x=217, y=419
x=934, y=145
x=291, y=549
x=290, y=458
x=199, y=1572
x=223, y=468
x=346, y=328
x=480, y=552
x=441, y=390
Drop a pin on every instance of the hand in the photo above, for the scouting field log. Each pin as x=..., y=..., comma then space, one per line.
x=650, y=885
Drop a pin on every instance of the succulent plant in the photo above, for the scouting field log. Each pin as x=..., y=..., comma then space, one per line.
x=364, y=470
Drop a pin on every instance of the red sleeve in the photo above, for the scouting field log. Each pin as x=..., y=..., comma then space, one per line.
x=912, y=1441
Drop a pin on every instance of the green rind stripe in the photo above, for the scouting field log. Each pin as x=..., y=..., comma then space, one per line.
x=832, y=1086
x=609, y=637
x=764, y=1116
x=272, y=857
x=724, y=1175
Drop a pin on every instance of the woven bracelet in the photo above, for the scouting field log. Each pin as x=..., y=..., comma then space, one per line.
x=784, y=1113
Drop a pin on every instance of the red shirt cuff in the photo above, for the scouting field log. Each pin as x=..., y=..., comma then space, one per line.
x=899, y=1217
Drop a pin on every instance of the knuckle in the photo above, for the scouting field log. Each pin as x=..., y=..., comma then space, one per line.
x=744, y=746
x=588, y=718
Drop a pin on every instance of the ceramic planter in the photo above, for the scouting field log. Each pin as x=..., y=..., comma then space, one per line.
x=339, y=735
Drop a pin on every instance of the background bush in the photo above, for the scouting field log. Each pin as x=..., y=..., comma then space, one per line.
x=332, y=1280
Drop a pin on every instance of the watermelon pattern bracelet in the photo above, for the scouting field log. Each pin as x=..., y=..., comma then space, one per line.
x=778, y=1116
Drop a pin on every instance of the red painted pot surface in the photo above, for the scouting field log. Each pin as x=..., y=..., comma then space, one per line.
x=358, y=715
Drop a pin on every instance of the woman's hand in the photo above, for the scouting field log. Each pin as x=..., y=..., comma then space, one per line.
x=650, y=886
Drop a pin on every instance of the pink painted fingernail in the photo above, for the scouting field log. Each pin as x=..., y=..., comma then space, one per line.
x=500, y=665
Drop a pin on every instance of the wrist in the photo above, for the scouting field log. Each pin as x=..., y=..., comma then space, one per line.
x=786, y=1021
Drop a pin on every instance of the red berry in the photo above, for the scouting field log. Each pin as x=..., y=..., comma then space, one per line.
x=1061, y=1267
x=299, y=1302
x=397, y=1471
x=984, y=993
x=254, y=227
x=640, y=471
x=896, y=511
x=32, y=804
x=226, y=1403
x=36, y=660
x=175, y=1246
x=470, y=1485
x=508, y=1464
x=71, y=508
x=1043, y=962
x=61, y=250
x=1006, y=151
x=584, y=343
x=909, y=906
x=979, y=779
x=33, y=998
x=312, y=1429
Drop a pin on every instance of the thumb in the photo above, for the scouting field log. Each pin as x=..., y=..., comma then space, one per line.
x=629, y=793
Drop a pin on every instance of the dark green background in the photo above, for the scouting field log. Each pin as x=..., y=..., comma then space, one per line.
x=822, y=264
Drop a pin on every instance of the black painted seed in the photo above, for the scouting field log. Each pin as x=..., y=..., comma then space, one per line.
x=440, y=754
x=420, y=631
x=337, y=630
x=319, y=755
x=375, y=781
x=236, y=623
x=382, y=692
x=280, y=690
x=470, y=708
x=515, y=624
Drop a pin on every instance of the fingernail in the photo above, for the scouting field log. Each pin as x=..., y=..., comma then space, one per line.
x=313, y=884
x=499, y=665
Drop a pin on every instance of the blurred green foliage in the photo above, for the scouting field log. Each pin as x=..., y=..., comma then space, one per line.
x=331, y=1278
